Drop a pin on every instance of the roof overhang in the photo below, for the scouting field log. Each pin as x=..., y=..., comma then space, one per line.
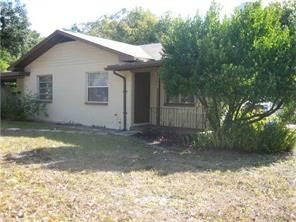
x=134, y=66
x=12, y=75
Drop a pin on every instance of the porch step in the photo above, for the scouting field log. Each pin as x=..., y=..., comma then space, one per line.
x=141, y=128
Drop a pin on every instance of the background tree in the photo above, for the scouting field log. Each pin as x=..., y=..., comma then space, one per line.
x=138, y=26
x=5, y=59
x=234, y=64
x=15, y=36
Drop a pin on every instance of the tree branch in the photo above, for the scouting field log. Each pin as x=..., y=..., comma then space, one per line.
x=238, y=109
x=267, y=113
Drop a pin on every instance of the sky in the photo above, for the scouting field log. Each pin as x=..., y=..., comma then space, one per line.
x=46, y=16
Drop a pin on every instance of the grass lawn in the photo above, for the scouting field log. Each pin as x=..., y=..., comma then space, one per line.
x=32, y=125
x=76, y=177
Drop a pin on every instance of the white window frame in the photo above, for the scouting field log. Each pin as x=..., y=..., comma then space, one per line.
x=87, y=87
x=38, y=87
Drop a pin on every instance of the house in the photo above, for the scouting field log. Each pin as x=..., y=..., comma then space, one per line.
x=99, y=82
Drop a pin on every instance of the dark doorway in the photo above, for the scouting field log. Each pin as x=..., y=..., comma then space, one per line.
x=142, y=97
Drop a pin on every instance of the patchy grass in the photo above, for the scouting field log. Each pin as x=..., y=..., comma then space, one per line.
x=29, y=125
x=75, y=177
x=5, y=124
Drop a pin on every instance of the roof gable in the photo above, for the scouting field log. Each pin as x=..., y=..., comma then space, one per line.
x=38, y=50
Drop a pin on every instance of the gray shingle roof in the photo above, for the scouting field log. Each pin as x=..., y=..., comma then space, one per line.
x=153, y=49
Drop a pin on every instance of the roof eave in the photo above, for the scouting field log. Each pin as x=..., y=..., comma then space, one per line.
x=134, y=66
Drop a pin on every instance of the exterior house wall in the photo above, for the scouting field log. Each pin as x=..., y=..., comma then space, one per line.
x=68, y=63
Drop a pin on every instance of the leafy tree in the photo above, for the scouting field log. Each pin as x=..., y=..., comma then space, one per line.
x=33, y=38
x=14, y=27
x=138, y=26
x=235, y=64
x=164, y=26
x=5, y=60
x=15, y=36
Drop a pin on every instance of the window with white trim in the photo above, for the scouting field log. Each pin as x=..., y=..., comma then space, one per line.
x=97, y=87
x=180, y=100
x=45, y=88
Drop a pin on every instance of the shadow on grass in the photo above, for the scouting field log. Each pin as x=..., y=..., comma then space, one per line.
x=125, y=154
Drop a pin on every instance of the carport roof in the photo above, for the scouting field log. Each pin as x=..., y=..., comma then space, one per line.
x=12, y=75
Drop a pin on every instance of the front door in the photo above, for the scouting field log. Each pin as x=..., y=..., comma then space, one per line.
x=142, y=97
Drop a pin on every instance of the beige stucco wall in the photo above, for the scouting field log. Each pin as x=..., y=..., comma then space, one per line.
x=68, y=63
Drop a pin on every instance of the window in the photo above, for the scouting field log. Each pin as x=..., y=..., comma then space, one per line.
x=97, y=87
x=180, y=100
x=45, y=88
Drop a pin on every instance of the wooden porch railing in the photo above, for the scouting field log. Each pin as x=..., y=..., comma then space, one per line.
x=182, y=117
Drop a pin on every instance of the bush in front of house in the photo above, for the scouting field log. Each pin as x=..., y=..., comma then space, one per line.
x=288, y=114
x=276, y=138
x=25, y=107
x=260, y=137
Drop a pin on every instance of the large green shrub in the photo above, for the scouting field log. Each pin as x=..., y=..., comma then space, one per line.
x=260, y=137
x=276, y=138
x=26, y=107
x=288, y=114
x=11, y=108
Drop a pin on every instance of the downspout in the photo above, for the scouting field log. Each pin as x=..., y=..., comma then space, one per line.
x=124, y=98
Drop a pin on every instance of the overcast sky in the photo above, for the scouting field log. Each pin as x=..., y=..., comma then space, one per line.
x=49, y=15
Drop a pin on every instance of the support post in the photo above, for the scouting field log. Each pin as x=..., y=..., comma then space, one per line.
x=158, y=104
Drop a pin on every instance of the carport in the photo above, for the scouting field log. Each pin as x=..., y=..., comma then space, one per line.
x=12, y=83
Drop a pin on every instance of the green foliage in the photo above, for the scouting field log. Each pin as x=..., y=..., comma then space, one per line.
x=32, y=40
x=5, y=60
x=276, y=138
x=27, y=107
x=138, y=26
x=234, y=64
x=14, y=23
x=288, y=114
x=16, y=37
x=238, y=138
x=259, y=137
